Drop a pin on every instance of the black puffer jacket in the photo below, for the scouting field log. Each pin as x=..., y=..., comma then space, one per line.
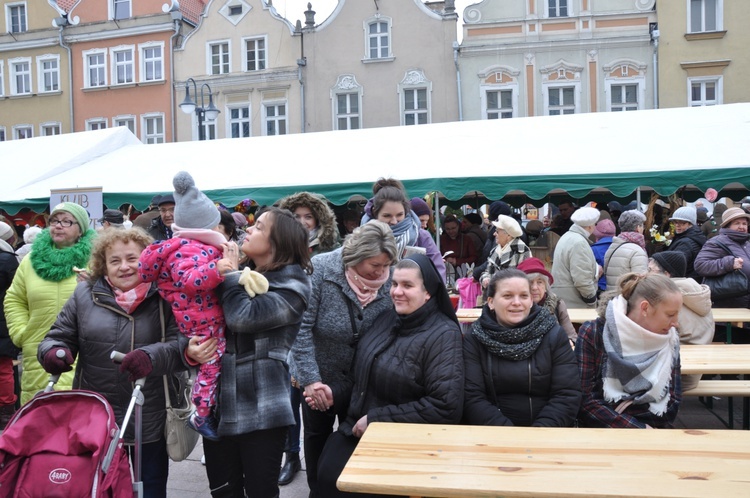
x=408, y=369
x=91, y=325
x=543, y=390
x=689, y=243
x=8, y=266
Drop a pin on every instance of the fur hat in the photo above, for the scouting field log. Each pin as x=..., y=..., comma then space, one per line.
x=113, y=216
x=685, y=213
x=6, y=232
x=192, y=208
x=672, y=262
x=630, y=220
x=732, y=214
x=535, y=265
x=420, y=207
x=29, y=235
x=585, y=216
x=605, y=228
x=534, y=228
x=508, y=224
x=73, y=209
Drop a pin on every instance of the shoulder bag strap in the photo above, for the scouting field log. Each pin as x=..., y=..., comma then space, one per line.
x=163, y=339
x=606, y=263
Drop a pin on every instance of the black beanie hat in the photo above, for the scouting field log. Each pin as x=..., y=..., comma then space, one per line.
x=497, y=208
x=673, y=262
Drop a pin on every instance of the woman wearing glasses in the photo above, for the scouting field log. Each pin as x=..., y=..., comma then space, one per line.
x=43, y=283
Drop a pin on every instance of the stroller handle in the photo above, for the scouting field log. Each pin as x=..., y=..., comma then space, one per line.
x=117, y=357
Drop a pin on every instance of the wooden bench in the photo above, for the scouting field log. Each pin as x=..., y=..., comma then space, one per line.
x=706, y=389
x=480, y=461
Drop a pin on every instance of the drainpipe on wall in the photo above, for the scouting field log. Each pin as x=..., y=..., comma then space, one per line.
x=70, y=76
x=171, y=77
x=301, y=62
x=654, y=28
x=456, y=49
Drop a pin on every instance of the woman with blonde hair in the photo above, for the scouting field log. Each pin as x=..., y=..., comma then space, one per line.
x=629, y=357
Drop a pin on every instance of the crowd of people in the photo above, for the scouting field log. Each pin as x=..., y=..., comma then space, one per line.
x=306, y=318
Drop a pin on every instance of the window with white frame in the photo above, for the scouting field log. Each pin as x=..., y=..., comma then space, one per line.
x=153, y=129
x=21, y=132
x=126, y=121
x=48, y=69
x=152, y=62
x=2, y=133
x=96, y=124
x=123, y=65
x=209, y=130
x=2, y=78
x=218, y=58
x=15, y=18
x=705, y=91
x=557, y=8
x=414, y=96
x=20, y=76
x=121, y=9
x=705, y=15
x=95, y=67
x=623, y=97
x=274, y=118
x=378, y=38
x=561, y=100
x=240, y=125
x=49, y=129
x=255, y=54
x=346, y=100
x=499, y=103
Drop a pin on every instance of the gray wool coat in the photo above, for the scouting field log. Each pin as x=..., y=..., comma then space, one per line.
x=325, y=345
x=254, y=392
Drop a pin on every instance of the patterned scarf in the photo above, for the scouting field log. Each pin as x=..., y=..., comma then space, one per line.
x=517, y=343
x=129, y=300
x=639, y=362
x=365, y=289
x=550, y=303
x=406, y=232
x=55, y=265
x=634, y=237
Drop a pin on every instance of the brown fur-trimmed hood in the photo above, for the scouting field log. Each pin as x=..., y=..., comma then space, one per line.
x=328, y=237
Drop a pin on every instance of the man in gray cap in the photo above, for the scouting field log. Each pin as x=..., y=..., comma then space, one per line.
x=688, y=238
x=112, y=218
x=161, y=226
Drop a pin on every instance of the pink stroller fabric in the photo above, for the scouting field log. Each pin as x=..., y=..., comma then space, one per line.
x=54, y=447
x=469, y=290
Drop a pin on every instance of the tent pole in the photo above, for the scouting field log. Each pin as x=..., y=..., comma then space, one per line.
x=638, y=197
x=437, y=222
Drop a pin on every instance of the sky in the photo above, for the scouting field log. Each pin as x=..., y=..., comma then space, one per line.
x=294, y=9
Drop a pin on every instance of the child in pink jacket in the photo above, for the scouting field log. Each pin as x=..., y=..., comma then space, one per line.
x=185, y=270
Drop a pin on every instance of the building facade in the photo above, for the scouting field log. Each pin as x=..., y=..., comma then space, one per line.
x=373, y=64
x=703, y=52
x=34, y=92
x=242, y=57
x=546, y=57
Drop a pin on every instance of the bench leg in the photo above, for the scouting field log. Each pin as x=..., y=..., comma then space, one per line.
x=746, y=413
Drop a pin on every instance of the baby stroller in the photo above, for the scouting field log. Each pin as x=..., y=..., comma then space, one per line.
x=67, y=444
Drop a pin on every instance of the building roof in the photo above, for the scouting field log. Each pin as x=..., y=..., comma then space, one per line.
x=192, y=10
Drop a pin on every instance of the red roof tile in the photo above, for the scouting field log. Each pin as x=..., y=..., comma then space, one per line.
x=66, y=5
x=192, y=9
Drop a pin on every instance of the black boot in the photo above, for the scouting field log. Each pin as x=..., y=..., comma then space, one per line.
x=290, y=468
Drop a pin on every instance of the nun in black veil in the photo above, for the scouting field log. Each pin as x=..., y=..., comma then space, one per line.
x=407, y=368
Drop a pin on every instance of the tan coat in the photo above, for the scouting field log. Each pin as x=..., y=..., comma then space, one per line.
x=696, y=319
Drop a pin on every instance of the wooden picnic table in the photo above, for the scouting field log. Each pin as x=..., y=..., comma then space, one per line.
x=479, y=461
x=715, y=358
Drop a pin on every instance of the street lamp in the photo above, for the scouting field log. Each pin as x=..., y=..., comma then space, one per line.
x=210, y=113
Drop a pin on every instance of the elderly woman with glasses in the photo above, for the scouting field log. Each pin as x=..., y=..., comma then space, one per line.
x=540, y=281
x=43, y=283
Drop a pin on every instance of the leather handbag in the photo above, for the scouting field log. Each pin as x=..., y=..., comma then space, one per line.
x=729, y=285
x=181, y=440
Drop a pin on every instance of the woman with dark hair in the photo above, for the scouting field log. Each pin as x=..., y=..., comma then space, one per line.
x=408, y=368
x=116, y=311
x=520, y=369
x=253, y=408
x=390, y=205
x=629, y=358
x=350, y=290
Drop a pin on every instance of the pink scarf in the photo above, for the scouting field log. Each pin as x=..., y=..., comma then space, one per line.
x=365, y=289
x=129, y=300
x=634, y=237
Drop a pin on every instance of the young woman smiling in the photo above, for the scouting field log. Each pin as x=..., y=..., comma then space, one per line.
x=520, y=369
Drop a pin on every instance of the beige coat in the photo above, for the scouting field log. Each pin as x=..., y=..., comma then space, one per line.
x=623, y=257
x=574, y=269
x=696, y=320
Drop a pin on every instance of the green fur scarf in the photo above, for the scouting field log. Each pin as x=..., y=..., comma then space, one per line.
x=55, y=265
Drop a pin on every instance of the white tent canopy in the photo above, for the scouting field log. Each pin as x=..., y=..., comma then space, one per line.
x=662, y=149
